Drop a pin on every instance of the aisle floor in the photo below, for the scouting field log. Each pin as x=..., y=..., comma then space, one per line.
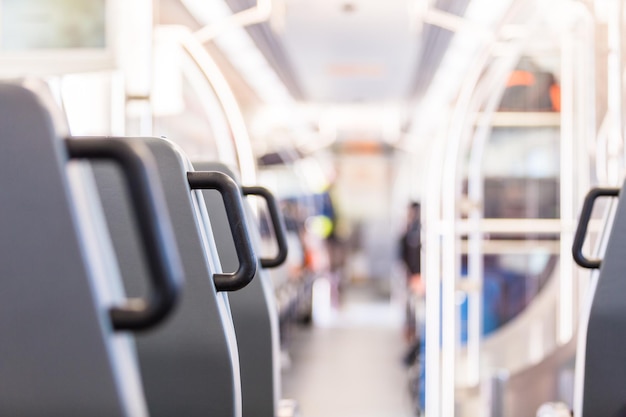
x=351, y=364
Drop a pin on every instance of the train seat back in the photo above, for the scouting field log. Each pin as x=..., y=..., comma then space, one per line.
x=59, y=355
x=254, y=310
x=191, y=367
x=601, y=368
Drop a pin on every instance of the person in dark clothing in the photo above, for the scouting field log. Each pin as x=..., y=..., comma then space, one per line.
x=411, y=242
x=411, y=246
x=413, y=359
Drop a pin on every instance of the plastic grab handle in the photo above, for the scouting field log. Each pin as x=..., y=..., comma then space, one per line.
x=583, y=222
x=277, y=223
x=213, y=180
x=156, y=231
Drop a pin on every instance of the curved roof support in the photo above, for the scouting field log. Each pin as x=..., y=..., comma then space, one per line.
x=262, y=12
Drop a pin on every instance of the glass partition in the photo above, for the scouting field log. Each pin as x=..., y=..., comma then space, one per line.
x=502, y=291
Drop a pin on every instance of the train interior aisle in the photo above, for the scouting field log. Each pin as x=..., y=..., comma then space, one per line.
x=312, y=208
x=350, y=361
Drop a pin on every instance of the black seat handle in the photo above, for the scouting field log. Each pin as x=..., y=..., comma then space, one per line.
x=277, y=223
x=228, y=188
x=583, y=223
x=157, y=236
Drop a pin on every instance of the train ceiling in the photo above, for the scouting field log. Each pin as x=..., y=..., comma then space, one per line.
x=352, y=50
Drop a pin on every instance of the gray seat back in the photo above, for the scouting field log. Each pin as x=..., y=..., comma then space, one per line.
x=254, y=311
x=190, y=367
x=58, y=356
x=604, y=344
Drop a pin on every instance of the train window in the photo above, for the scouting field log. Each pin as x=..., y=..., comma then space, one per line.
x=519, y=175
x=60, y=24
x=522, y=152
x=42, y=37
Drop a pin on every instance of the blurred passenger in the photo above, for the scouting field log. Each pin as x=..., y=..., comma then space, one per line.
x=294, y=228
x=336, y=246
x=337, y=253
x=411, y=246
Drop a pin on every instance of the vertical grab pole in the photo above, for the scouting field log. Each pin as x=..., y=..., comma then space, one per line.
x=567, y=215
x=432, y=270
